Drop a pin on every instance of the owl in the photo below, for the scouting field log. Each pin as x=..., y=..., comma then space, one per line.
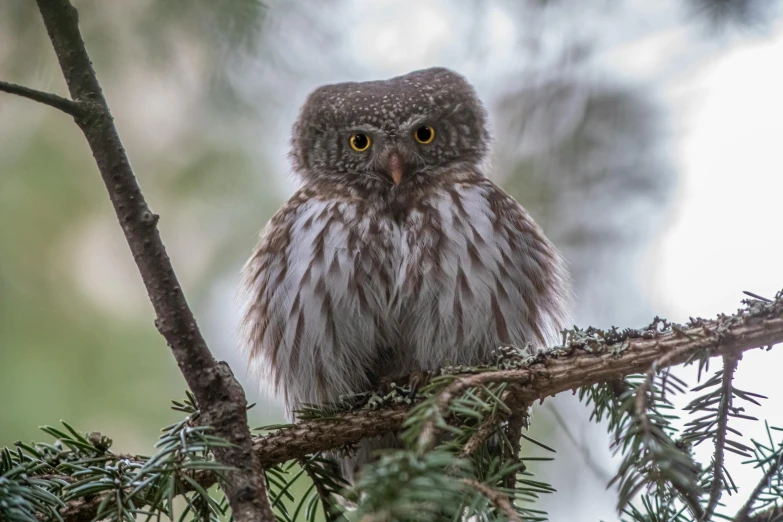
x=397, y=254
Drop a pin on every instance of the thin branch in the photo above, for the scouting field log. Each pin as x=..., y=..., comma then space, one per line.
x=489, y=426
x=220, y=398
x=729, y=366
x=498, y=499
x=772, y=514
x=484, y=431
x=52, y=100
x=323, y=494
x=516, y=422
x=640, y=408
x=640, y=401
x=743, y=515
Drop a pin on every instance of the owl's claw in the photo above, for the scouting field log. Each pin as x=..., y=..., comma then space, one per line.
x=406, y=385
x=418, y=380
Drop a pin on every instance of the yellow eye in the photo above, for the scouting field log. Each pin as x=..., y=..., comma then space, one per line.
x=424, y=134
x=360, y=142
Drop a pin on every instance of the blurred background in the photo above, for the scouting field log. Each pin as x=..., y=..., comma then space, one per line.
x=645, y=137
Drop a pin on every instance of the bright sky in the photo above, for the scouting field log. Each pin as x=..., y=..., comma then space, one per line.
x=724, y=228
x=726, y=233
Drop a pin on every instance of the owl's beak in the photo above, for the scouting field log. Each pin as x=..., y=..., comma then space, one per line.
x=395, y=167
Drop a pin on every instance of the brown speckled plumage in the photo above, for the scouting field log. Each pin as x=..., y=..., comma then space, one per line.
x=358, y=278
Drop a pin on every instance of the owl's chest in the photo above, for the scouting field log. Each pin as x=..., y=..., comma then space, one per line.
x=389, y=255
x=425, y=247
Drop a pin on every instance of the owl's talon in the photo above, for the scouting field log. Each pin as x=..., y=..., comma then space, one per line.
x=387, y=385
x=418, y=380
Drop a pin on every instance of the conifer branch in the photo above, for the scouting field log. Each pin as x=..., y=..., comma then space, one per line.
x=592, y=356
x=498, y=499
x=743, y=515
x=729, y=366
x=584, y=360
x=588, y=357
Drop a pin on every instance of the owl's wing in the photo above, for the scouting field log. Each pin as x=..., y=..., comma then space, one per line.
x=530, y=265
x=310, y=313
x=478, y=273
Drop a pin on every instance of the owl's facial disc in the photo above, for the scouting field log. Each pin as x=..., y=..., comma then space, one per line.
x=400, y=132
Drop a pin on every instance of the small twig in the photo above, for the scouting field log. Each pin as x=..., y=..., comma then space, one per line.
x=640, y=409
x=743, y=515
x=323, y=494
x=485, y=431
x=640, y=401
x=498, y=499
x=516, y=422
x=488, y=426
x=428, y=435
x=772, y=514
x=52, y=100
x=729, y=366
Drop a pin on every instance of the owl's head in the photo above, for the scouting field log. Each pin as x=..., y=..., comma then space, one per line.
x=390, y=133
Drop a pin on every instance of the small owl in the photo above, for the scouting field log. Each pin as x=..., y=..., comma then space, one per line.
x=397, y=254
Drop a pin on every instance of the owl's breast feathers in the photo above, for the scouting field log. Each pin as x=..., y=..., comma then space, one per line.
x=343, y=289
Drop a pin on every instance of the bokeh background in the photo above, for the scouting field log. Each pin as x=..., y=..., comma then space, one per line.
x=645, y=137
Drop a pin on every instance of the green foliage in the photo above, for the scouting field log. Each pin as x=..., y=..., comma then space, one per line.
x=657, y=449
x=768, y=458
x=404, y=486
x=465, y=457
x=40, y=477
x=651, y=457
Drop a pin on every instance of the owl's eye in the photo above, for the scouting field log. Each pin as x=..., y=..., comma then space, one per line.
x=360, y=142
x=424, y=134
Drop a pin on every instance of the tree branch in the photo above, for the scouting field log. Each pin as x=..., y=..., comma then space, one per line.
x=498, y=499
x=743, y=515
x=579, y=363
x=220, y=398
x=772, y=514
x=47, y=98
x=583, y=361
x=729, y=366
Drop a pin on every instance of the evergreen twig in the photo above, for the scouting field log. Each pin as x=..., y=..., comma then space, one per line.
x=500, y=500
x=729, y=366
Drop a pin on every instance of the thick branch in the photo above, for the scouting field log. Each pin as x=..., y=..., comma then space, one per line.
x=47, y=98
x=220, y=398
x=566, y=368
x=579, y=363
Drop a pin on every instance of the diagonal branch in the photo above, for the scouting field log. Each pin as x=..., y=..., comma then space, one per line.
x=47, y=98
x=220, y=398
x=498, y=499
x=743, y=515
